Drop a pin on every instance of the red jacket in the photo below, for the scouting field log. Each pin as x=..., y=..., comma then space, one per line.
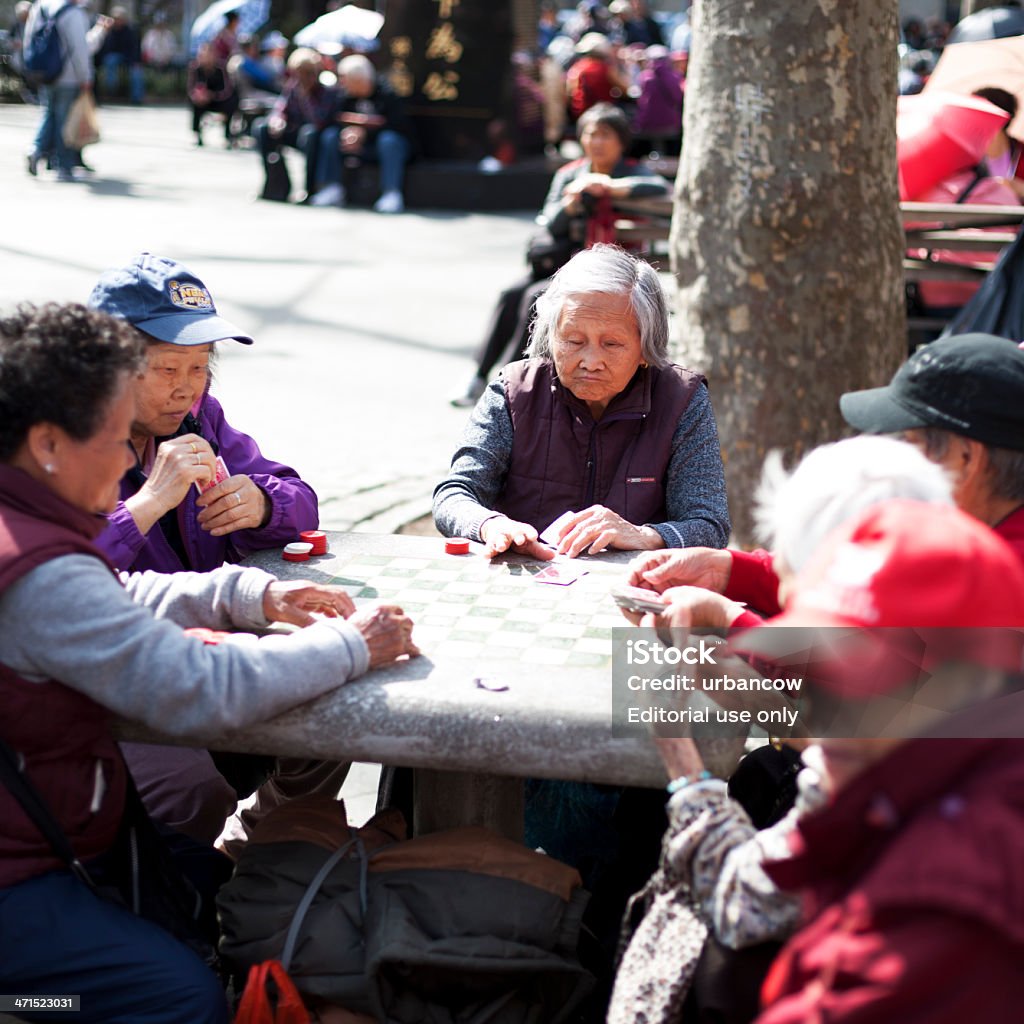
x=914, y=878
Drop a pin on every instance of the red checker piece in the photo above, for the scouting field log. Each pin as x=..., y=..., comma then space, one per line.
x=456, y=546
x=297, y=551
x=317, y=538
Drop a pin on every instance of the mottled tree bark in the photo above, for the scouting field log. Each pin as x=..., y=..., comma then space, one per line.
x=786, y=238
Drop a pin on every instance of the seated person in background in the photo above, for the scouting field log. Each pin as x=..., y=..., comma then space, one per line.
x=79, y=645
x=719, y=588
x=273, y=49
x=370, y=125
x=161, y=522
x=996, y=181
x=251, y=74
x=159, y=45
x=210, y=91
x=575, y=190
x=891, y=841
x=120, y=49
x=598, y=423
x=594, y=77
x=659, y=106
x=640, y=26
x=306, y=106
x=1003, y=153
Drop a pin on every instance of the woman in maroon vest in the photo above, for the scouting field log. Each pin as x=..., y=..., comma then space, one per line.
x=599, y=424
x=78, y=645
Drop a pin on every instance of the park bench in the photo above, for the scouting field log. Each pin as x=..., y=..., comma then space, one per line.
x=941, y=239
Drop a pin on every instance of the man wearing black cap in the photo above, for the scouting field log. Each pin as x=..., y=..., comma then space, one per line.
x=961, y=400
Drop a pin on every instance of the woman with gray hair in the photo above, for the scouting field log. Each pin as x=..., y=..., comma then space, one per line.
x=597, y=429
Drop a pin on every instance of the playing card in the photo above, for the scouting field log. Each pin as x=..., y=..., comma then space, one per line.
x=221, y=474
x=561, y=575
x=550, y=534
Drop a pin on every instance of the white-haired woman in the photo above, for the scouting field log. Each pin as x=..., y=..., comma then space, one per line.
x=598, y=423
x=718, y=588
x=371, y=124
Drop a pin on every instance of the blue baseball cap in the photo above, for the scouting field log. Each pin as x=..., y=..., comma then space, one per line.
x=164, y=300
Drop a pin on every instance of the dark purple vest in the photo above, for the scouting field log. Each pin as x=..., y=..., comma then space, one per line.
x=563, y=459
x=63, y=736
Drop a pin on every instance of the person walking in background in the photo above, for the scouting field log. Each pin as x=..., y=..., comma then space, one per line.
x=57, y=97
x=120, y=49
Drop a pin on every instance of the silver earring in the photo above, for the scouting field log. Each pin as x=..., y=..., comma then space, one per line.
x=49, y=468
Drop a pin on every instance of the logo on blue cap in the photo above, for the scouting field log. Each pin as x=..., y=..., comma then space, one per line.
x=193, y=297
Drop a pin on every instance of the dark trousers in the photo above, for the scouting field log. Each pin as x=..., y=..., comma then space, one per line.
x=227, y=107
x=59, y=938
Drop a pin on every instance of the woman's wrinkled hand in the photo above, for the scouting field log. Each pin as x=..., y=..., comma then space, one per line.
x=234, y=504
x=503, y=534
x=295, y=601
x=597, y=528
x=180, y=463
x=709, y=568
x=387, y=631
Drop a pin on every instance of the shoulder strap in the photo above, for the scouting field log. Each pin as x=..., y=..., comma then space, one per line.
x=980, y=173
x=314, y=887
x=12, y=774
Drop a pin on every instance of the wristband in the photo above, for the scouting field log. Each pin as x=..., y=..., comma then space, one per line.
x=684, y=780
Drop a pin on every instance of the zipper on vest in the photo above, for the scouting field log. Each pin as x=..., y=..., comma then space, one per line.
x=133, y=845
x=99, y=788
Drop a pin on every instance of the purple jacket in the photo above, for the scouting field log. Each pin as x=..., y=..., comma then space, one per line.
x=293, y=509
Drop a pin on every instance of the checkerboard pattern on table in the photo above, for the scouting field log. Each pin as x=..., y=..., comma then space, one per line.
x=466, y=607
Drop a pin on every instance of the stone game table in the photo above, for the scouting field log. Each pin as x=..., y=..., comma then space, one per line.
x=515, y=680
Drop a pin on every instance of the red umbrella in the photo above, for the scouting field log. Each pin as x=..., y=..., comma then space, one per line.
x=938, y=134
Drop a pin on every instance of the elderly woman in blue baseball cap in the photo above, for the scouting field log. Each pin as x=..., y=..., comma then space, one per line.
x=201, y=492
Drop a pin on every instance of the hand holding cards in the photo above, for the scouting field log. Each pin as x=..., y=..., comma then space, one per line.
x=636, y=599
x=220, y=474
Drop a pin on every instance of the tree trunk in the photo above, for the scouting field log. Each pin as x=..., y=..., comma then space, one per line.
x=786, y=238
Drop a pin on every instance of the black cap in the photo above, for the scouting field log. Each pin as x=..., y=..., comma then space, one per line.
x=969, y=384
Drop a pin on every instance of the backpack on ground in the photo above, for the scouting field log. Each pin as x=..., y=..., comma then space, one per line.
x=455, y=927
x=43, y=54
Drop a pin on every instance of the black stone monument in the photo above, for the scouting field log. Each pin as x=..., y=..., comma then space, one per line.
x=450, y=60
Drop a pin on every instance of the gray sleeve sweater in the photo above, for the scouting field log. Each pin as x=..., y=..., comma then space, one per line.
x=695, y=498
x=70, y=620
